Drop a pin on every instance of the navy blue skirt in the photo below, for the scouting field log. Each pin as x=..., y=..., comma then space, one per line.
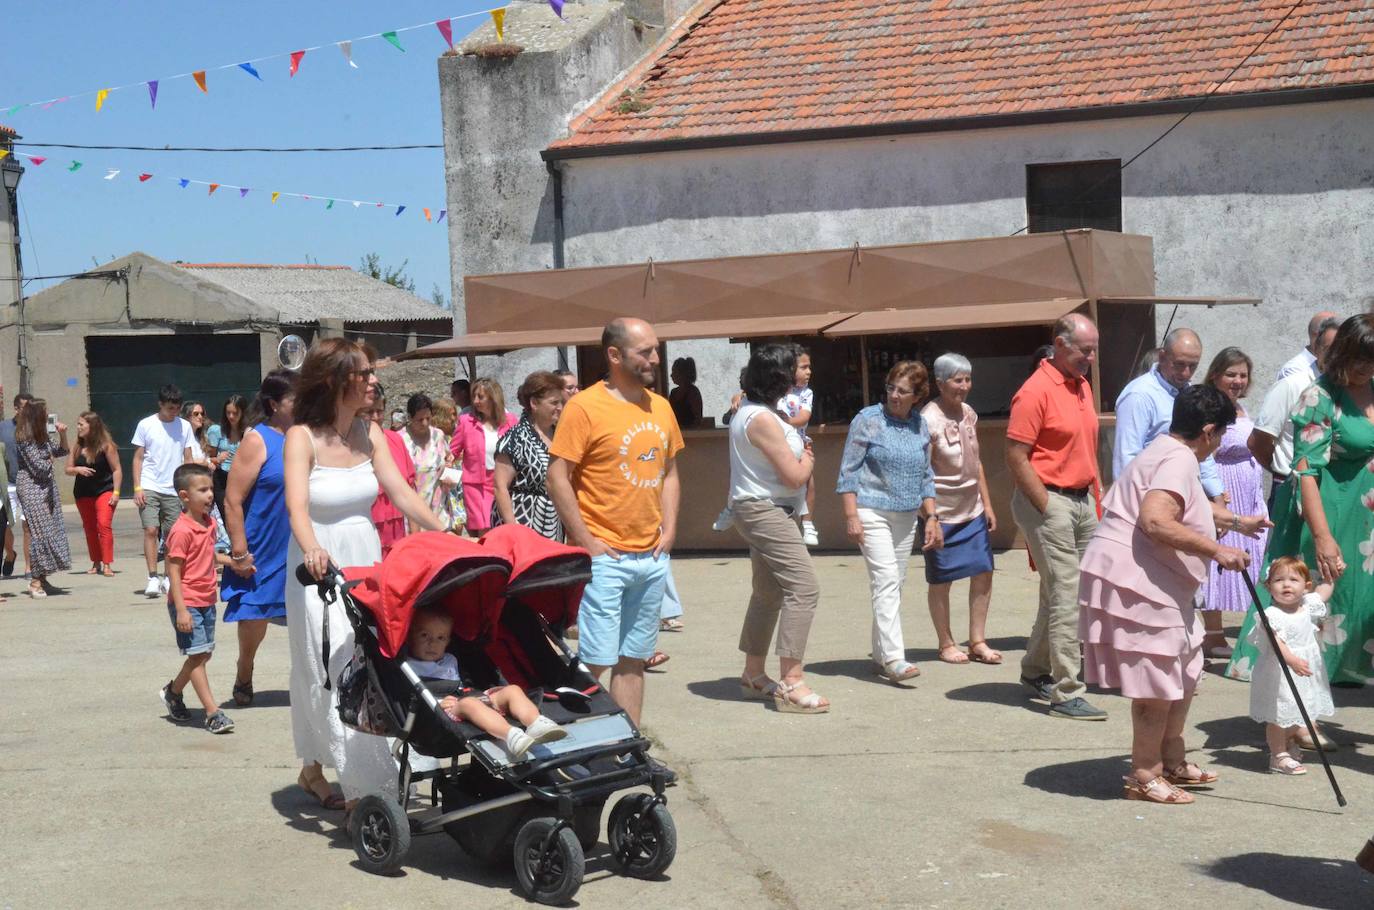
x=967, y=552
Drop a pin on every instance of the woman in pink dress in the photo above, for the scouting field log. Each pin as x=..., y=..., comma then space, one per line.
x=474, y=447
x=389, y=520
x=1136, y=585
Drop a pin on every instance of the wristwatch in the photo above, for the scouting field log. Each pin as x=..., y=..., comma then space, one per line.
x=1235, y=522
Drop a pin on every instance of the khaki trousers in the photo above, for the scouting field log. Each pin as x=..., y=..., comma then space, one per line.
x=1056, y=540
x=785, y=588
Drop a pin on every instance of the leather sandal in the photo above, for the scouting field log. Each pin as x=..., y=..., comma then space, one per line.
x=1158, y=790
x=243, y=693
x=811, y=703
x=1190, y=775
x=319, y=788
x=749, y=687
x=1285, y=764
x=955, y=655
x=657, y=660
x=989, y=655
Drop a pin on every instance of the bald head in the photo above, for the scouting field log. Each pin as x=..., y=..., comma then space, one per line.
x=1179, y=357
x=619, y=332
x=1075, y=345
x=631, y=351
x=1315, y=327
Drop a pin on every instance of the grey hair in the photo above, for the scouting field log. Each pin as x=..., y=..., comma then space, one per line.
x=947, y=366
x=1176, y=336
x=1326, y=325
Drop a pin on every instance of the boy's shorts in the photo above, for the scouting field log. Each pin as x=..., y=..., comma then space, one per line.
x=161, y=511
x=619, y=615
x=201, y=638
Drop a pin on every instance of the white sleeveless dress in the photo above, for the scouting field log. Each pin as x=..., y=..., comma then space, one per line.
x=341, y=512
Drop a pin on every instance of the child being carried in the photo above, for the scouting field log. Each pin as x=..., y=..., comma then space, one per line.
x=427, y=654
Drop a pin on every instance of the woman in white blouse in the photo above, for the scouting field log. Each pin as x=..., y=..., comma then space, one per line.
x=964, y=510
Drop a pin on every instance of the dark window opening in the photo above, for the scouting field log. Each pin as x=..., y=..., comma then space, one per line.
x=1081, y=194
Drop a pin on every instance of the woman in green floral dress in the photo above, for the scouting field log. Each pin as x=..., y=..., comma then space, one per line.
x=1324, y=512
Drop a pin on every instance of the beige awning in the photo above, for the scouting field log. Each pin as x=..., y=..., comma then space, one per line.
x=500, y=342
x=749, y=327
x=1185, y=301
x=968, y=316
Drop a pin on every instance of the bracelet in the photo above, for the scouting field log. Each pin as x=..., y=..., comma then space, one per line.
x=138, y=489
x=239, y=558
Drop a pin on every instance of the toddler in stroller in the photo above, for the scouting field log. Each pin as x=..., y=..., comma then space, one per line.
x=427, y=654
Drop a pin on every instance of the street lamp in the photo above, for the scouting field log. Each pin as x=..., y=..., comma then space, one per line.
x=11, y=171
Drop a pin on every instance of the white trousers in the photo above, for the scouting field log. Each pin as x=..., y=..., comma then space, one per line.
x=888, y=538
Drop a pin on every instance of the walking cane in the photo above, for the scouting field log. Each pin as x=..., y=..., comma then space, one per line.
x=1293, y=686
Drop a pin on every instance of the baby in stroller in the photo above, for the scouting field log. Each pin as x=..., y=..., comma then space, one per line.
x=427, y=654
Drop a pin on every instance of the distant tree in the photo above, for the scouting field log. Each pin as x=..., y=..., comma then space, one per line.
x=437, y=295
x=372, y=267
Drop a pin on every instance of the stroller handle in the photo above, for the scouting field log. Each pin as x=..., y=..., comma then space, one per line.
x=332, y=576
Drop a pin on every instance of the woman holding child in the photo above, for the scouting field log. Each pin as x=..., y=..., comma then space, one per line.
x=1137, y=579
x=334, y=462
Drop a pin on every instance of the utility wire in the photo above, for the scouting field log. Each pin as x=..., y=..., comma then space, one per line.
x=174, y=148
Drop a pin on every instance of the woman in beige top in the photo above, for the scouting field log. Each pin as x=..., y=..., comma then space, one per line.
x=964, y=510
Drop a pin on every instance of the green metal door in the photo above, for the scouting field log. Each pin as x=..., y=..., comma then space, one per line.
x=126, y=372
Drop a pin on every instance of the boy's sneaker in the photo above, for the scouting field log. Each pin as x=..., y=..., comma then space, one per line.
x=164, y=585
x=219, y=722
x=176, y=707
x=1077, y=709
x=809, y=535
x=723, y=521
x=154, y=587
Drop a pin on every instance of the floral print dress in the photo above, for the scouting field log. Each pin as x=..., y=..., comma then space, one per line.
x=430, y=460
x=1337, y=441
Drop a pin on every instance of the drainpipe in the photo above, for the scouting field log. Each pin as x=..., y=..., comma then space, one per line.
x=556, y=175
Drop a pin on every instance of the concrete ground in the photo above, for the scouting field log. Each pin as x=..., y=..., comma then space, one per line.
x=952, y=792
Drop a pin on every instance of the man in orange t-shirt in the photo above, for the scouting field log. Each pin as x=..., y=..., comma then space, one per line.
x=613, y=479
x=1052, y=457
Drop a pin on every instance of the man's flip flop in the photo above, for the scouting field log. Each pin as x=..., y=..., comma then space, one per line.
x=658, y=660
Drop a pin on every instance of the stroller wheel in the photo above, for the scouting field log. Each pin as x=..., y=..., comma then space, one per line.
x=642, y=835
x=381, y=834
x=548, y=863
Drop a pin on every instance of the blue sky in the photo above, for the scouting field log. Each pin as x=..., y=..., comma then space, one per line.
x=70, y=221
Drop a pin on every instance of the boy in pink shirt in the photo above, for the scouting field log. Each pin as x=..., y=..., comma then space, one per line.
x=191, y=561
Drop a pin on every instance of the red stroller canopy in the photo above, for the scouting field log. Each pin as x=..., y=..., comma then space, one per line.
x=546, y=575
x=432, y=568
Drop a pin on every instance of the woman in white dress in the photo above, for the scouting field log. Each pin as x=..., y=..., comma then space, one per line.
x=334, y=461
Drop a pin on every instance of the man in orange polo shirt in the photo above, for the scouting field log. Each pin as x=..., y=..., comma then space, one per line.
x=1052, y=456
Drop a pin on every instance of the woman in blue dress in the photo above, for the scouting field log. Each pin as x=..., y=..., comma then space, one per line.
x=254, y=585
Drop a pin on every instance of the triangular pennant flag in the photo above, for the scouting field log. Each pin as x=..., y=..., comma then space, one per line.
x=498, y=18
x=557, y=6
x=274, y=197
x=4, y=152
x=248, y=68
x=243, y=191
x=100, y=97
x=199, y=76
x=184, y=183
x=426, y=211
x=14, y=110
x=442, y=213
x=445, y=27
x=330, y=206
x=144, y=178
x=400, y=209
x=347, y=48
x=113, y=173
x=152, y=93
x=393, y=40
x=305, y=197
x=213, y=187
x=36, y=160
x=356, y=204
x=52, y=102
x=296, y=61
x=76, y=166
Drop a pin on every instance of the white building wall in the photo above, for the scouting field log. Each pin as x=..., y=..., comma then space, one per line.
x=1271, y=202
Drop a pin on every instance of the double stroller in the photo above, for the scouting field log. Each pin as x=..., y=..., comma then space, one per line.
x=511, y=597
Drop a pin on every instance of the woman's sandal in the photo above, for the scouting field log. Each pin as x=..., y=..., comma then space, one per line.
x=319, y=788
x=1283, y=763
x=1190, y=775
x=1305, y=741
x=672, y=624
x=899, y=671
x=93, y=570
x=749, y=687
x=988, y=655
x=810, y=703
x=1158, y=790
x=243, y=693
x=658, y=660
x=956, y=657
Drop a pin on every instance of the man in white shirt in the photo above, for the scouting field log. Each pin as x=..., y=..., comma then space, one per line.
x=160, y=443
x=1305, y=361
x=1271, y=441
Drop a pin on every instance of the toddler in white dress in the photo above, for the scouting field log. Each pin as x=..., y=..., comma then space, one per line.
x=1296, y=612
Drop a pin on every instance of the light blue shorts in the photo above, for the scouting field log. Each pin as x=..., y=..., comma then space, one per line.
x=620, y=608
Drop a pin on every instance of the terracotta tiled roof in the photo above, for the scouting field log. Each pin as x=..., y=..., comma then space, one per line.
x=737, y=68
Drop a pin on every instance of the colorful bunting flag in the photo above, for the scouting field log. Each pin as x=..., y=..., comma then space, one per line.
x=347, y=48
x=184, y=183
x=445, y=27
x=4, y=152
x=393, y=40
x=400, y=209
x=243, y=191
x=54, y=101
x=274, y=197
x=213, y=187
x=144, y=178
x=442, y=213
x=498, y=18
x=356, y=204
x=426, y=211
x=14, y=110
x=248, y=68
x=296, y=61
x=113, y=173
x=199, y=76
x=100, y=97
x=557, y=7
x=330, y=206
x=76, y=166
x=36, y=160
x=152, y=93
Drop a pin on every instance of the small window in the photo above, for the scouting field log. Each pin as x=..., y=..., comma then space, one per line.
x=1081, y=194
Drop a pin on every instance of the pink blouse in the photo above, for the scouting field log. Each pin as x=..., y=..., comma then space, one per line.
x=954, y=459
